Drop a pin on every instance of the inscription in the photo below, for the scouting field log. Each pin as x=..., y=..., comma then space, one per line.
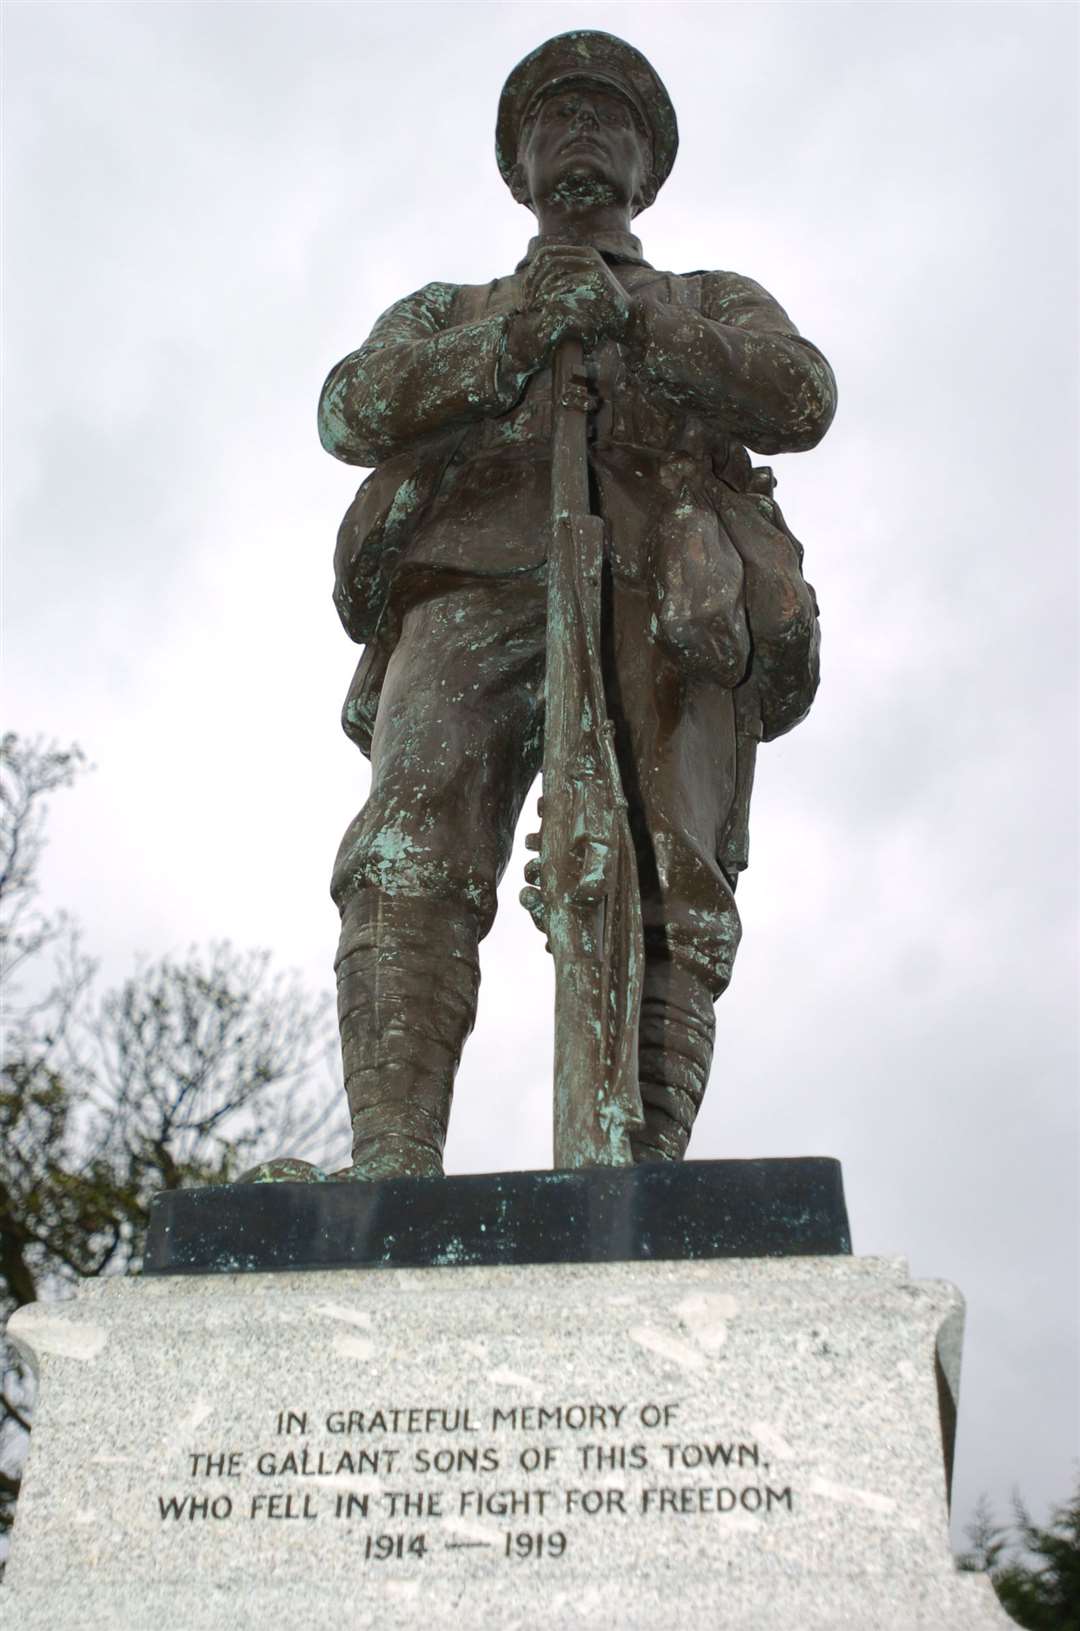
x=428, y=1479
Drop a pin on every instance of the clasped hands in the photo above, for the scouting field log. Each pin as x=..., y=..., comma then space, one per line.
x=568, y=291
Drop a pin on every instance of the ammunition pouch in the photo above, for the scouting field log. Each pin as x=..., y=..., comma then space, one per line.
x=697, y=581
x=378, y=525
x=781, y=608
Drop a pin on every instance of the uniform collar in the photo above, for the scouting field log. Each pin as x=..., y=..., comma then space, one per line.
x=614, y=246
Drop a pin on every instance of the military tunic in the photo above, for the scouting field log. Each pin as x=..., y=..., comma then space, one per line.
x=711, y=629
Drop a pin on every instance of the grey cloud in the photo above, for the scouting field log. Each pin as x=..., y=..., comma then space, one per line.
x=207, y=206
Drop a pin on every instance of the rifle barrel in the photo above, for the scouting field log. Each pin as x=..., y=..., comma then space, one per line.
x=588, y=871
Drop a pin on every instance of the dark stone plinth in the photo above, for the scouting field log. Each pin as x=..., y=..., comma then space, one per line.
x=698, y=1209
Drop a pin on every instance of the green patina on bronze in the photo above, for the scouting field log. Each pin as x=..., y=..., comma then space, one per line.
x=564, y=559
x=584, y=891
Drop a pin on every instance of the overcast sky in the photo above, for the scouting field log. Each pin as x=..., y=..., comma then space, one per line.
x=208, y=205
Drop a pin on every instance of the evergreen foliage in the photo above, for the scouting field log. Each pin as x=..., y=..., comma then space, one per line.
x=1035, y=1570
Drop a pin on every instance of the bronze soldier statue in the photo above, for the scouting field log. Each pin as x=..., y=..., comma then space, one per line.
x=708, y=633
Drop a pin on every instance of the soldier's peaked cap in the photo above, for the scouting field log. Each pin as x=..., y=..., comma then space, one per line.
x=587, y=55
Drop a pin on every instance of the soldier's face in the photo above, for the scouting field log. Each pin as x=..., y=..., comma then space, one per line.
x=584, y=140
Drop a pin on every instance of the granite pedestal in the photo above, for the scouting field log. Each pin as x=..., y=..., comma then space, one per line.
x=751, y=1441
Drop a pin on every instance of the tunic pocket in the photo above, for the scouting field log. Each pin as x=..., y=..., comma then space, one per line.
x=698, y=611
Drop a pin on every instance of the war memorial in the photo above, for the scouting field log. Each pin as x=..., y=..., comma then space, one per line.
x=636, y=1390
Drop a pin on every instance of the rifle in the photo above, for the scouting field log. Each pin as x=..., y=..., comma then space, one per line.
x=588, y=903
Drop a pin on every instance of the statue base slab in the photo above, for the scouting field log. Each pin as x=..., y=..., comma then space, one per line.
x=757, y=1443
x=688, y=1209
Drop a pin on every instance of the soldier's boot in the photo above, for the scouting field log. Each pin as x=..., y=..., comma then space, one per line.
x=675, y=1047
x=408, y=973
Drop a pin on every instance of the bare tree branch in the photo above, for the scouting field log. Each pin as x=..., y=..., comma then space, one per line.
x=194, y=1068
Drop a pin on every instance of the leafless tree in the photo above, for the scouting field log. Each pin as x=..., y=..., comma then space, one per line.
x=193, y=1069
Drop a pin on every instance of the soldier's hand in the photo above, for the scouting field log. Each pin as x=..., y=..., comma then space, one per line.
x=569, y=290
